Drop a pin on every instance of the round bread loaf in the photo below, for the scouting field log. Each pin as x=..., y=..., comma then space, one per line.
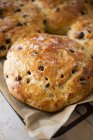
x=82, y=32
x=59, y=14
x=23, y=17
x=26, y=16
x=48, y=72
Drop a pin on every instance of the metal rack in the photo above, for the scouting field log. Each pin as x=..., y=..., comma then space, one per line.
x=64, y=129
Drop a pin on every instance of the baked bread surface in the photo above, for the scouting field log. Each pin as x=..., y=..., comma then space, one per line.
x=82, y=32
x=28, y=16
x=59, y=14
x=48, y=72
x=22, y=18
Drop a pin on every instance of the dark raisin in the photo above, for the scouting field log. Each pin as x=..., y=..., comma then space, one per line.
x=74, y=70
x=28, y=72
x=72, y=51
x=22, y=5
x=69, y=28
x=41, y=68
x=35, y=52
x=5, y=3
x=81, y=35
x=91, y=2
x=82, y=48
x=38, y=31
x=28, y=80
x=47, y=85
x=25, y=23
x=2, y=17
x=3, y=31
x=25, y=16
x=44, y=21
x=82, y=80
x=82, y=12
x=19, y=24
x=92, y=56
x=86, y=1
x=17, y=10
x=33, y=0
x=89, y=31
x=8, y=41
x=3, y=47
x=62, y=76
x=46, y=78
x=18, y=78
x=19, y=47
x=6, y=76
x=57, y=9
x=1, y=13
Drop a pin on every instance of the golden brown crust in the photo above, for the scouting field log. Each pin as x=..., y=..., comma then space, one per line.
x=88, y=7
x=59, y=14
x=48, y=72
x=82, y=32
x=23, y=17
x=53, y=16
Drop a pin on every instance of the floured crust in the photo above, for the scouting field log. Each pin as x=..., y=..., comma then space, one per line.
x=48, y=72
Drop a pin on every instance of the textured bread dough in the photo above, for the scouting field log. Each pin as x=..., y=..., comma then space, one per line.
x=88, y=7
x=82, y=32
x=48, y=72
x=23, y=17
x=59, y=14
x=28, y=16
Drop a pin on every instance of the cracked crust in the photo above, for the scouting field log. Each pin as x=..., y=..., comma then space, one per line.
x=48, y=72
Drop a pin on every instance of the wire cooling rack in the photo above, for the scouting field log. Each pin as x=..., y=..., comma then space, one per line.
x=87, y=111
